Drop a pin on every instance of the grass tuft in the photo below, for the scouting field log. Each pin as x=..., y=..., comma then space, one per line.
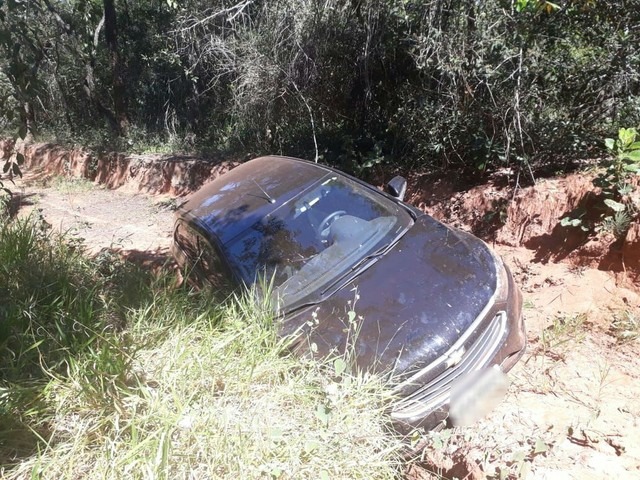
x=179, y=387
x=563, y=332
x=625, y=326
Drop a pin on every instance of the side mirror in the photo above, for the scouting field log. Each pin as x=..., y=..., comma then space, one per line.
x=397, y=187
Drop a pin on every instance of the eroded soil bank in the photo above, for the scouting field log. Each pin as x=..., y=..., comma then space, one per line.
x=572, y=410
x=527, y=217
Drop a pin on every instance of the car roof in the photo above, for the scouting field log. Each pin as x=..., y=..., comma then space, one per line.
x=233, y=202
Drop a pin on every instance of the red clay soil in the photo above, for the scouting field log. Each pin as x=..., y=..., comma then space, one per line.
x=174, y=175
x=530, y=217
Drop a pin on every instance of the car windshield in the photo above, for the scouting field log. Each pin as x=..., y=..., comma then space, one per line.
x=314, y=239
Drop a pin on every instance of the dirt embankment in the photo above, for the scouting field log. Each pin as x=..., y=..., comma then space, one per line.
x=529, y=217
x=174, y=175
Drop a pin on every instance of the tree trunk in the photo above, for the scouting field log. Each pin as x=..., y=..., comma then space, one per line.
x=29, y=121
x=89, y=88
x=117, y=69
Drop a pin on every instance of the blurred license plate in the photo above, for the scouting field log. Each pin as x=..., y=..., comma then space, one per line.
x=475, y=394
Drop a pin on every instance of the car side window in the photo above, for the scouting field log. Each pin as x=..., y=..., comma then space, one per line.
x=203, y=258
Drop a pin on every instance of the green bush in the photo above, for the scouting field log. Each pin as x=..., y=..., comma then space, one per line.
x=620, y=203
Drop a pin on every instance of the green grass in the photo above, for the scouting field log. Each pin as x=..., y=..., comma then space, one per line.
x=625, y=326
x=71, y=185
x=107, y=372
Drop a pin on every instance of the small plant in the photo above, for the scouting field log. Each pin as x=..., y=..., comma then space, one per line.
x=10, y=169
x=563, y=330
x=617, y=224
x=625, y=327
x=535, y=6
x=170, y=204
x=71, y=185
x=619, y=205
x=627, y=152
x=575, y=221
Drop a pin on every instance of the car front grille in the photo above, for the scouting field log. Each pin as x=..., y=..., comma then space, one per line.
x=436, y=393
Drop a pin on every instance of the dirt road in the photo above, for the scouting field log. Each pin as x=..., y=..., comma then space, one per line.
x=573, y=409
x=98, y=217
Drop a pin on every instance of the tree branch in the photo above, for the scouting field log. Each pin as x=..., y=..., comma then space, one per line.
x=65, y=26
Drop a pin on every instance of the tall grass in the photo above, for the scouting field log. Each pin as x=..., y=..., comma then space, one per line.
x=108, y=372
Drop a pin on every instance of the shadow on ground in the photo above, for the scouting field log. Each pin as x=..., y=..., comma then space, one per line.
x=19, y=200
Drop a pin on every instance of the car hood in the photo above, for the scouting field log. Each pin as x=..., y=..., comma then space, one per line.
x=408, y=308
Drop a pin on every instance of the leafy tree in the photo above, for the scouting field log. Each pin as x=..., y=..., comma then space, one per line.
x=442, y=84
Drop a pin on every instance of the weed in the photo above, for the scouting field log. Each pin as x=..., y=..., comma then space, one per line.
x=171, y=204
x=564, y=330
x=604, y=382
x=625, y=327
x=10, y=169
x=619, y=204
x=71, y=185
x=617, y=224
x=453, y=453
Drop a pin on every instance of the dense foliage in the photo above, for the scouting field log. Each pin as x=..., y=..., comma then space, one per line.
x=453, y=83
